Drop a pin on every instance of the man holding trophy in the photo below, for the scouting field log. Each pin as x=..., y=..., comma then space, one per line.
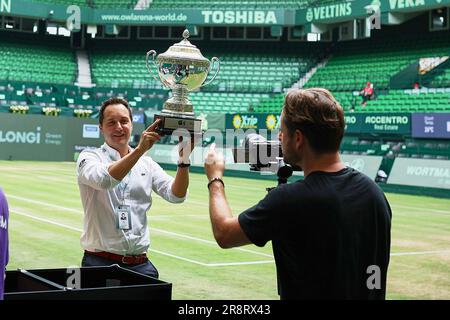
x=116, y=181
x=116, y=184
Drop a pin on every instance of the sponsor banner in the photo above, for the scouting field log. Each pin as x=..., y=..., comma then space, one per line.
x=31, y=137
x=91, y=131
x=197, y=17
x=247, y=17
x=421, y=173
x=168, y=154
x=341, y=11
x=268, y=121
x=37, y=137
x=88, y=15
x=384, y=123
x=411, y=5
x=349, y=10
x=138, y=117
x=396, y=123
x=353, y=122
x=369, y=165
x=431, y=125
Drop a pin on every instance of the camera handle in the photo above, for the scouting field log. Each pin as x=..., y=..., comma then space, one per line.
x=283, y=173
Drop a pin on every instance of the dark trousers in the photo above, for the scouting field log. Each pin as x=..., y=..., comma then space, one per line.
x=146, y=268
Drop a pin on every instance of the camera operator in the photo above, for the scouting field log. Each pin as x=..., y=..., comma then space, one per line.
x=330, y=232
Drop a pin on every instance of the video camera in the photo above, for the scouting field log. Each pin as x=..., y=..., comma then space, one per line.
x=263, y=155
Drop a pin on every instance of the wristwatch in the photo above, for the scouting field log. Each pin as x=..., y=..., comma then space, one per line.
x=181, y=164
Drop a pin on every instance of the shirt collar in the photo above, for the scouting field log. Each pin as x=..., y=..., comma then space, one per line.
x=111, y=152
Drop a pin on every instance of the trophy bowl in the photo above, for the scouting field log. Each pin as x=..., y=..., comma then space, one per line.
x=172, y=74
x=182, y=68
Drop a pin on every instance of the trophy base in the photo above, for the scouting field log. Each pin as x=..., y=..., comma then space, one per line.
x=170, y=123
x=177, y=105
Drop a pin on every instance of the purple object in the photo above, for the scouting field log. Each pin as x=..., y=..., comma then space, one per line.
x=4, y=253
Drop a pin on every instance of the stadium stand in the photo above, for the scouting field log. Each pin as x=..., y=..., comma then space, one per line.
x=423, y=100
x=410, y=100
x=225, y=102
x=120, y=69
x=427, y=149
x=355, y=63
x=442, y=80
x=253, y=76
x=81, y=3
x=130, y=4
x=260, y=73
x=28, y=62
x=100, y=4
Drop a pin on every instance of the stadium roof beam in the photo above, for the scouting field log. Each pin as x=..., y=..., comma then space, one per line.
x=394, y=18
x=316, y=28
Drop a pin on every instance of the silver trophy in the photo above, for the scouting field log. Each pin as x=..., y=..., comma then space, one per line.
x=183, y=69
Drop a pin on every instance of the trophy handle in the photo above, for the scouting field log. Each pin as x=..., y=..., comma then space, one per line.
x=152, y=53
x=213, y=59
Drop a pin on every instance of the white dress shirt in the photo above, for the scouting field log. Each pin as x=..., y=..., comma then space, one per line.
x=101, y=194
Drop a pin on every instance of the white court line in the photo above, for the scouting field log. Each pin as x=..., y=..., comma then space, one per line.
x=45, y=204
x=419, y=252
x=170, y=216
x=46, y=221
x=425, y=210
x=179, y=258
x=211, y=264
x=239, y=263
x=18, y=169
x=208, y=241
x=226, y=264
x=153, y=250
x=81, y=212
x=155, y=229
x=39, y=177
x=194, y=238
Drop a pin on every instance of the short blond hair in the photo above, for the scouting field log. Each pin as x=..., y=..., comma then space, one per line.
x=317, y=114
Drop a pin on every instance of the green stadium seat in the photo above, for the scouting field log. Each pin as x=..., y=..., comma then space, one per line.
x=29, y=63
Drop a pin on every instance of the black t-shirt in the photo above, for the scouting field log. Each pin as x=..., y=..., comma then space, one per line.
x=326, y=231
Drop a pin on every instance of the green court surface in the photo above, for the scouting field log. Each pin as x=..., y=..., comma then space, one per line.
x=46, y=222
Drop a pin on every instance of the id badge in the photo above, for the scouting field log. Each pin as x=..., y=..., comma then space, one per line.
x=123, y=214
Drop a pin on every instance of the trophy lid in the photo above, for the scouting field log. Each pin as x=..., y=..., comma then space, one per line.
x=184, y=53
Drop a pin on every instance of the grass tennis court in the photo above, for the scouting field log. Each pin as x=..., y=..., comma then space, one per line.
x=46, y=223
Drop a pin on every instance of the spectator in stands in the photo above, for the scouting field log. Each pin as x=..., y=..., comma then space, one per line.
x=367, y=93
x=4, y=242
x=116, y=180
x=330, y=232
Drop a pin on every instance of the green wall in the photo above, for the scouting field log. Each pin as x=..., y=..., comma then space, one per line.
x=36, y=137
